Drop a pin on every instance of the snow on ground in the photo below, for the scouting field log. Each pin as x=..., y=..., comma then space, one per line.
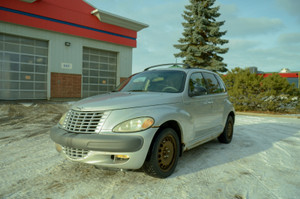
x=263, y=161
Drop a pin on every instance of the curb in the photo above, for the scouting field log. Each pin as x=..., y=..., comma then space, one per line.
x=267, y=115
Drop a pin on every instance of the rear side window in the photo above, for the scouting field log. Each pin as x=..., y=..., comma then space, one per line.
x=221, y=83
x=212, y=83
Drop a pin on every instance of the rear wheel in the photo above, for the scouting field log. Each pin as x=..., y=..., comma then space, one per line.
x=163, y=155
x=227, y=134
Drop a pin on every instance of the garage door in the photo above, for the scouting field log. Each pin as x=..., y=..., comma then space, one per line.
x=99, y=71
x=23, y=68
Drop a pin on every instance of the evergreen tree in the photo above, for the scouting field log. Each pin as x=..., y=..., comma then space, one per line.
x=252, y=92
x=279, y=94
x=201, y=40
x=244, y=89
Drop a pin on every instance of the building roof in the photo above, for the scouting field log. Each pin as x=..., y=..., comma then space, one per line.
x=117, y=20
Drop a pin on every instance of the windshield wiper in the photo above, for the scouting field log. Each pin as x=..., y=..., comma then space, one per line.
x=137, y=91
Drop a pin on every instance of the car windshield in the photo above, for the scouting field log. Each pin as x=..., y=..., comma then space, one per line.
x=154, y=81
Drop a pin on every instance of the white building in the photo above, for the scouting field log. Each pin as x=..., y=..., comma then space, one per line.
x=62, y=49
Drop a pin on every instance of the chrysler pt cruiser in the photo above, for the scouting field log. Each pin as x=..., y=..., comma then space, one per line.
x=148, y=121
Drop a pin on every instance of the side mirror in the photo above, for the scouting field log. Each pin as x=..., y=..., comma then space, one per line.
x=198, y=90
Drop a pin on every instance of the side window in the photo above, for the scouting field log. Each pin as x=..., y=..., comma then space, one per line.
x=212, y=83
x=221, y=83
x=196, y=80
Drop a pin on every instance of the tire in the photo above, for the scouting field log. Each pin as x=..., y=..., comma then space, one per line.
x=163, y=155
x=227, y=134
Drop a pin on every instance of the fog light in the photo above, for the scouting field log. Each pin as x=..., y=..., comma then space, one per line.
x=122, y=157
x=58, y=147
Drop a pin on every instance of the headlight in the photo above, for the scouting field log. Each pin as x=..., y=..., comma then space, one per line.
x=62, y=119
x=134, y=125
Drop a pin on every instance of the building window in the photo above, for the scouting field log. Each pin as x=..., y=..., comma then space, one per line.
x=99, y=71
x=23, y=68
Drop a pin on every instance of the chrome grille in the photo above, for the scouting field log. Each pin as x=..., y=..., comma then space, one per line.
x=75, y=153
x=84, y=121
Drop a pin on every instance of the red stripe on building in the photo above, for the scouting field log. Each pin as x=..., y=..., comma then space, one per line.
x=70, y=11
x=287, y=75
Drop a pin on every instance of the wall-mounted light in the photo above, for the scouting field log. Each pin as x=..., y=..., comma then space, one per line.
x=96, y=13
x=67, y=43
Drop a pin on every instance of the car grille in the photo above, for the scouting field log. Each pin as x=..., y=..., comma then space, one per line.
x=84, y=121
x=75, y=154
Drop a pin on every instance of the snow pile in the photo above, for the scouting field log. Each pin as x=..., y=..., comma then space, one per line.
x=262, y=161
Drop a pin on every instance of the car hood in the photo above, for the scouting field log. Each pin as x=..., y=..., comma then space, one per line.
x=124, y=100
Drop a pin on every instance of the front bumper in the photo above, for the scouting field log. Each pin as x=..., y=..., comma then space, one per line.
x=102, y=149
x=97, y=142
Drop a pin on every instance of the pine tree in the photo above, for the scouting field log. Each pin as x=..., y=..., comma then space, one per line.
x=201, y=40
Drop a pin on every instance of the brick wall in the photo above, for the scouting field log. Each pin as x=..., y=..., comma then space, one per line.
x=65, y=85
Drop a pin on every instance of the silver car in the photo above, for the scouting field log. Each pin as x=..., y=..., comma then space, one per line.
x=148, y=122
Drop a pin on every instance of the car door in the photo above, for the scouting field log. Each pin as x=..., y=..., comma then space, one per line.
x=217, y=93
x=199, y=107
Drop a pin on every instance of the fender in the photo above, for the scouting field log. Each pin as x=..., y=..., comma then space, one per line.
x=160, y=113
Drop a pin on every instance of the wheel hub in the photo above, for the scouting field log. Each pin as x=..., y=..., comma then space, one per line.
x=166, y=153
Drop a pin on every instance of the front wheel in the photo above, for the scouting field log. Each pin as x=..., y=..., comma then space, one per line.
x=227, y=134
x=163, y=155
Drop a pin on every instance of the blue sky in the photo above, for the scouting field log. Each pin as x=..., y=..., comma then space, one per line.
x=261, y=33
